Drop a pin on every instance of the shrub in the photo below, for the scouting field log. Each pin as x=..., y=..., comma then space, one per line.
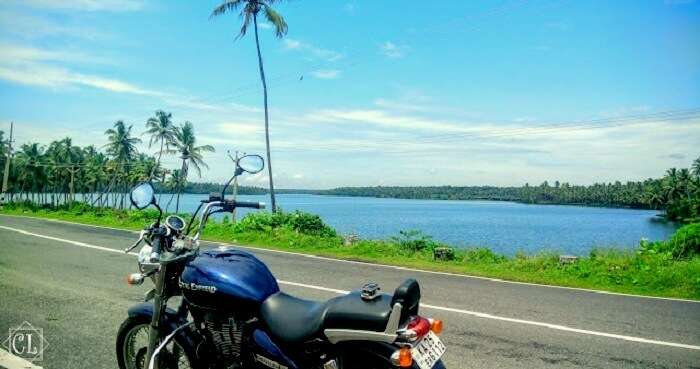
x=685, y=242
x=444, y=253
x=414, y=241
x=307, y=223
x=482, y=254
x=300, y=222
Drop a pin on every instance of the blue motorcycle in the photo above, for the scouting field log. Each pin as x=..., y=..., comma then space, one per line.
x=222, y=308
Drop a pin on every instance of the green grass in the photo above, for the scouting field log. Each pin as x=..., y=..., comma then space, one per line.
x=654, y=269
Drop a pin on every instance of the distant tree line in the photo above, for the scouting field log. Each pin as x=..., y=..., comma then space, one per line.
x=210, y=187
x=677, y=192
x=55, y=173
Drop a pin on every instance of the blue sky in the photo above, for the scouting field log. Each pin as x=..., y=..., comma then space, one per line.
x=371, y=92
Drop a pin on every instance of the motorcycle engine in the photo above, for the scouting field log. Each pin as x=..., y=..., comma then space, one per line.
x=224, y=333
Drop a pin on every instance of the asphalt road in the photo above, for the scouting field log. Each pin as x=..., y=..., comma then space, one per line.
x=78, y=296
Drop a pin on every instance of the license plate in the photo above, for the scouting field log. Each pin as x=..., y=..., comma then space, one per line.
x=428, y=351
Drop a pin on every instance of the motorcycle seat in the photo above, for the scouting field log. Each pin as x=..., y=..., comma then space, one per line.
x=294, y=320
x=290, y=318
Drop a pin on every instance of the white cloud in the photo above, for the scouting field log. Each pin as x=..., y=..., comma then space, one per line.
x=326, y=73
x=54, y=69
x=312, y=51
x=84, y=5
x=264, y=25
x=30, y=26
x=19, y=54
x=55, y=77
x=391, y=50
x=291, y=44
x=382, y=118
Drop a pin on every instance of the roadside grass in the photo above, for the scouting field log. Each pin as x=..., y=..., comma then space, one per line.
x=666, y=269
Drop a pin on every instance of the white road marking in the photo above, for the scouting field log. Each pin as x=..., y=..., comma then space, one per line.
x=9, y=361
x=428, y=306
x=262, y=249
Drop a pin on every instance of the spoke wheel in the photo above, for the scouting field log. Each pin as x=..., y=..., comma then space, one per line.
x=135, y=346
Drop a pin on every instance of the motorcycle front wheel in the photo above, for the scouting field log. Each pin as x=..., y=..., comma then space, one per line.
x=132, y=346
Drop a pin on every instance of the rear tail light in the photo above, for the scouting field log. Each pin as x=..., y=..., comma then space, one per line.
x=416, y=329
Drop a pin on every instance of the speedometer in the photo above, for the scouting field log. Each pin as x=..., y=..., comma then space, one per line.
x=175, y=223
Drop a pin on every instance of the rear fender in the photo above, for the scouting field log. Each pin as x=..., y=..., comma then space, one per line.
x=363, y=354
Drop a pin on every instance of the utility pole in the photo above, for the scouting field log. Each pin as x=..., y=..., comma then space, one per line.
x=6, y=175
x=72, y=171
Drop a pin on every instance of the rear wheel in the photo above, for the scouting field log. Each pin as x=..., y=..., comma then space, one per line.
x=132, y=347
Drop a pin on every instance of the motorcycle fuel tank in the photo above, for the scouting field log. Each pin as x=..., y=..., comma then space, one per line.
x=225, y=279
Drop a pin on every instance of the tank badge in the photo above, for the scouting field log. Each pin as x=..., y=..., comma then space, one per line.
x=196, y=287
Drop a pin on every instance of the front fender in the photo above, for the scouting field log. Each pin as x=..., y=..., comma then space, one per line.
x=187, y=338
x=169, y=319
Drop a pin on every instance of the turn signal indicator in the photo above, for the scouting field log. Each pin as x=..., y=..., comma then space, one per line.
x=405, y=357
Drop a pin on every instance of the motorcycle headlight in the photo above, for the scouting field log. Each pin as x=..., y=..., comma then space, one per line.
x=145, y=254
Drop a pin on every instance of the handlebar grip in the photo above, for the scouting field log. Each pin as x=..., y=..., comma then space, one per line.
x=250, y=204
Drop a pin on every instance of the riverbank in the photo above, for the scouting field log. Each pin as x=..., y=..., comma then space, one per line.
x=669, y=269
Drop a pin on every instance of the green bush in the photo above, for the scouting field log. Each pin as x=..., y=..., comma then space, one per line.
x=307, y=223
x=482, y=254
x=300, y=222
x=413, y=241
x=685, y=243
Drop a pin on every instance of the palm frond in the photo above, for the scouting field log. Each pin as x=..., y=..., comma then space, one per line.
x=277, y=20
x=247, y=16
x=226, y=6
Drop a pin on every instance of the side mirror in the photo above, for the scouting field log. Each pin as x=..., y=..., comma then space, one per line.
x=143, y=195
x=251, y=163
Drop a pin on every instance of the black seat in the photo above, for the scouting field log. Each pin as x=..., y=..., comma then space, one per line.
x=294, y=320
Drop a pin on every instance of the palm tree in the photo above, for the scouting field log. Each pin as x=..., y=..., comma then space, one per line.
x=696, y=167
x=160, y=128
x=190, y=153
x=3, y=144
x=121, y=146
x=249, y=9
x=29, y=168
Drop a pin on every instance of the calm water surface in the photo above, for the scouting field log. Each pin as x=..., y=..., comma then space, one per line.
x=505, y=227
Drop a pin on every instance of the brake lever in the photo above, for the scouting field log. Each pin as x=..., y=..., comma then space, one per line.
x=142, y=235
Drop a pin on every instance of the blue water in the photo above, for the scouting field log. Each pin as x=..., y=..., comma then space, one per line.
x=505, y=227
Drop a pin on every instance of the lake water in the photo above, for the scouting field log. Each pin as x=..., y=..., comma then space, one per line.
x=505, y=227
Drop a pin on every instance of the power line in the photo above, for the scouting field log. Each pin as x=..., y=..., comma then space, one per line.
x=602, y=123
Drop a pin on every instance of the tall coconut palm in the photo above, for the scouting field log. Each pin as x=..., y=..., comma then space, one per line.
x=160, y=128
x=31, y=174
x=696, y=167
x=3, y=145
x=190, y=153
x=249, y=10
x=121, y=146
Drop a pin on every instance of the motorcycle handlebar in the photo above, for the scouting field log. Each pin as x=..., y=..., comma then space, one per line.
x=249, y=204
